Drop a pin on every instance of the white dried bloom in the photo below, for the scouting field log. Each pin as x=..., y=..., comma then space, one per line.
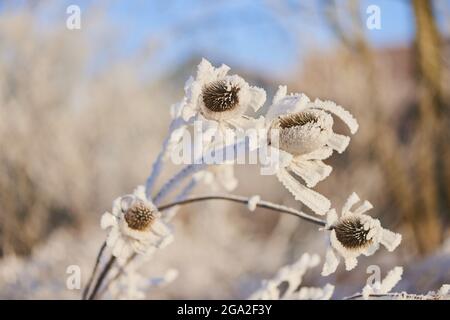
x=217, y=96
x=355, y=233
x=292, y=275
x=302, y=131
x=386, y=285
x=134, y=226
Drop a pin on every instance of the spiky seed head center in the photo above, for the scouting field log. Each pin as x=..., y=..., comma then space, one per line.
x=297, y=119
x=351, y=234
x=219, y=96
x=139, y=216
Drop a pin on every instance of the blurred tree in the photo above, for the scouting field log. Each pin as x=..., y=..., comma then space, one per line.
x=418, y=196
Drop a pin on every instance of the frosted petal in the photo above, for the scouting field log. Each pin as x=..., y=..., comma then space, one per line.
x=314, y=200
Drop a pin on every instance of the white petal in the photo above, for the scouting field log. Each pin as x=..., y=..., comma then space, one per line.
x=116, y=207
x=391, y=280
x=319, y=154
x=331, y=218
x=366, y=206
x=112, y=237
x=257, y=98
x=343, y=114
x=338, y=142
x=117, y=250
x=350, y=263
x=160, y=228
x=314, y=200
x=107, y=220
x=371, y=249
x=331, y=262
x=390, y=239
x=189, y=112
x=444, y=290
x=273, y=160
x=312, y=171
x=126, y=202
x=288, y=104
x=206, y=72
x=351, y=201
x=140, y=192
x=125, y=253
x=280, y=94
x=165, y=241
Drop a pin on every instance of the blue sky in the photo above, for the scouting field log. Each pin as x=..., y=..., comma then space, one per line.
x=251, y=34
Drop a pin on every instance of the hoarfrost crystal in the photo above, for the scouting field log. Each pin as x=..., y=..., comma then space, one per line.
x=216, y=96
x=302, y=133
x=355, y=233
x=134, y=226
x=292, y=275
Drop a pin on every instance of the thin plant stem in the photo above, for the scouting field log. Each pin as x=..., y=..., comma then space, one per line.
x=244, y=200
x=198, y=165
x=410, y=296
x=156, y=168
x=102, y=277
x=91, y=278
x=117, y=275
x=176, y=179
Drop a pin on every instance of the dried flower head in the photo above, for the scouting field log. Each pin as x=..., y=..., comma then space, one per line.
x=134, y=226
x=355, y=233
x=350, y=232
x=139, y=216
x=301, y=131
x=220, y=96
x=217, y=96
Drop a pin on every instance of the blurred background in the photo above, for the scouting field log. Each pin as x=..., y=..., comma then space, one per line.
x=83, y=113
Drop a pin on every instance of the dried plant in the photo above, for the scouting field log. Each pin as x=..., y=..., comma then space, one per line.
x=138, y=224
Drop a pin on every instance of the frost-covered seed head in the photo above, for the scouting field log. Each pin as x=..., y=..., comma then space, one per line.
x=139, y=216
x=219, y=96
x=297, y=119
x=351, y=233
x=303, y=132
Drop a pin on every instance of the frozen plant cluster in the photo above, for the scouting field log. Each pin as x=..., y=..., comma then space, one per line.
x=298, y=130
x=291, y=276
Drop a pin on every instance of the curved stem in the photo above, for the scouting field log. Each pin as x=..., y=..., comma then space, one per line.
x=156, y=167
x=117, y=275
x=102, y=277
x=91, y=278
x=245, y=200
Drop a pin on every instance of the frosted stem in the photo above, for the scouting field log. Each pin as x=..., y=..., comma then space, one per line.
x=244, y=200
x=157, y=165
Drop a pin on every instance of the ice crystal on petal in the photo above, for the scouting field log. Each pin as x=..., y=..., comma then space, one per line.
x=134, y=226
x=215, y=95
x=292, y=276
x=386, y=285
x=304, y=129
x=353, y=234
